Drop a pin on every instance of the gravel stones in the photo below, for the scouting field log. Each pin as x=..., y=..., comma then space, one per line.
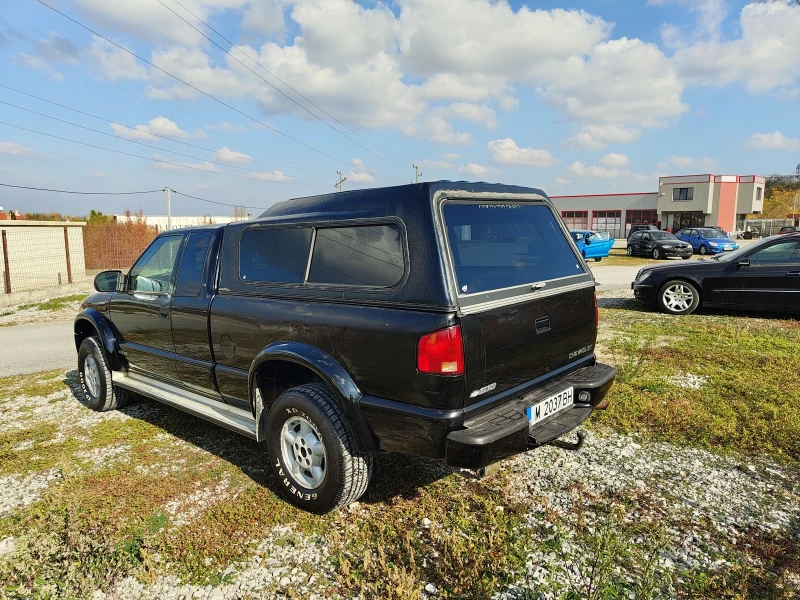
x=17, y=491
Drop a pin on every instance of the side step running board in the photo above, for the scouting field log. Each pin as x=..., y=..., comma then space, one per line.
x=230, y=417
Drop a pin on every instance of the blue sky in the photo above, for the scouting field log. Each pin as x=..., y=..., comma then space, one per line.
x=588, y=97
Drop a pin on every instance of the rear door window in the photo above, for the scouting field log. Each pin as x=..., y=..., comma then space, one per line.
x=502, y=245
x=274, y=255
x=368, y=255
x=193, y=264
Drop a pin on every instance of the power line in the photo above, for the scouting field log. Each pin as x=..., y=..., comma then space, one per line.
x=213, y=201
x=25, y=187
x=317, y=106
x=216, y=162
x=212, y=97
x=320, y=119
x=165, y=162
x=163, y=137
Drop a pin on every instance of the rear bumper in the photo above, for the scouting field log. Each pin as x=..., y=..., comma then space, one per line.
x=505, y=430
x=473, y=439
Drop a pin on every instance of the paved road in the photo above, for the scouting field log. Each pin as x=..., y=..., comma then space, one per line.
x=615, y=277
x=37, y=347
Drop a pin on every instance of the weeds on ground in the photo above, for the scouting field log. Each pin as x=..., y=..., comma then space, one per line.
x=745, y=398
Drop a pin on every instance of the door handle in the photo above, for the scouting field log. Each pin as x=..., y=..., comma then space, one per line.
x=793, y=274
x=163, y=312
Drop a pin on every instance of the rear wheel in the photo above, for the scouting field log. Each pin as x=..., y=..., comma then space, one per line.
x=678, y=297
x=312, y=450
x=656, y=253
x=686, y=257
x=703, y=249
x=95, y=377
x=598, y=259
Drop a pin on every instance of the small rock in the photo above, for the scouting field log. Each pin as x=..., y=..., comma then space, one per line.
x=7, y=546
x=285, y=581
x=426, y=523
x=431, y=588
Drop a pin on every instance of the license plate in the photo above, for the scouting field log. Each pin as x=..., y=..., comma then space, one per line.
x=728, y=248
x=550, y=406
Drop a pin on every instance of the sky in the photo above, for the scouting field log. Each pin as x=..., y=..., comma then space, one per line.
x=587, y=97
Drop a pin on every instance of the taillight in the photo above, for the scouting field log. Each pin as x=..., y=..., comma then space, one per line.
x=596, y=312
x=441, y=352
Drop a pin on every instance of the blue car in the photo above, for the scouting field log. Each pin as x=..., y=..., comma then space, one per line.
x=705, y=240
x=593, y=244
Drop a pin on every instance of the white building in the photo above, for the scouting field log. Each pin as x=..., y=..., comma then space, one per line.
x=160, y=221
x=681, y=201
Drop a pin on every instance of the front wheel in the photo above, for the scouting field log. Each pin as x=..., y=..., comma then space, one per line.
x=686, y=257
x=678, y=297
x=703, y=250
x=312, y=450
x=630, y=250
x=95, y=378
x=656, y=253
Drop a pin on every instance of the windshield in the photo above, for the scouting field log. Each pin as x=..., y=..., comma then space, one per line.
x=711, y=233
x=662, y=235
x=497, y=246
x=602, y=236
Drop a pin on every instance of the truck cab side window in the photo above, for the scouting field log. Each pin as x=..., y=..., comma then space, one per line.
x=193, y=263
x=153, y=271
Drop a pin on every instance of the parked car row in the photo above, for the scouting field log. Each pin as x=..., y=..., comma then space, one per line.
x=764, y=276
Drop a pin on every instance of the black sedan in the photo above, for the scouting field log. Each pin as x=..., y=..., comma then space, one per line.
x=658, y=244
x=764, y=276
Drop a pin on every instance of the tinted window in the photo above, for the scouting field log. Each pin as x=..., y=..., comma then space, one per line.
x=193, y=264
x=646, y=237
x=785, y=253
x=497, y=246
x=637, y=236
x=370, y=255
x=153, y=271
x=274, y=255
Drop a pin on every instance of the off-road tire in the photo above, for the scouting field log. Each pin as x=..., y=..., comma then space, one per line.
x=676, y=285
x=106, y=396
x=347, y=471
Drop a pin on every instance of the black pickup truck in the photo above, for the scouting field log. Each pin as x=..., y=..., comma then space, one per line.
x=455, y=321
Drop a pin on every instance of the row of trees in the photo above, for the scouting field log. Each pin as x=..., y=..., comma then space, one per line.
x=781, y=196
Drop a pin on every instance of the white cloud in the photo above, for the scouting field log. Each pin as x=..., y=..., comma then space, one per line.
x=14, y=149
x=274, y=175
x=582, y=171
x=615, y=160
x=506, y=152
x=112, y=63
x=160, y=126
x=450, y=156
x=226, y=126
x=624, y=81
x=598, y=137
x=560, y=183
x=688, y=162
x=434, y=164
x=264, y=17
x=479, y=113
x=710, y=16
x=437, y=129
x=55, y=49
x=765, y=56
x=773, y=141
x=359, y=176
x=473, y=169
x=227, y=155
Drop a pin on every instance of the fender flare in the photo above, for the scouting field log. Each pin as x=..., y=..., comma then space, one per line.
x=104, y=331
x=329, y=370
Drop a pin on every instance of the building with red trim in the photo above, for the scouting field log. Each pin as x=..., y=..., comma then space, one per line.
x=681, y=201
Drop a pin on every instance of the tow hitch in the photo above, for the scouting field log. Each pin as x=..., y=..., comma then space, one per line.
x=570, y=445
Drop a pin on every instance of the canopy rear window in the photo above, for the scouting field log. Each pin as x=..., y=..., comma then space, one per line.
x=502, y=245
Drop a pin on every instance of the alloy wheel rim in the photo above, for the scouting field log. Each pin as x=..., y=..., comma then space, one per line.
x=303, y=451
x=630, y=250
x=91, y=376
x=656, y=253
x=678, y=297
x=703, y=250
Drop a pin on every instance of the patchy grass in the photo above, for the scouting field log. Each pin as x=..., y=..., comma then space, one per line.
x=748, y=398
x=618, y=257
x=51, y=304
x=37, y=384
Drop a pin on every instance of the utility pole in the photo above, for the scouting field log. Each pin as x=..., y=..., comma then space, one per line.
x=169, y=209
x=338, y=186
x=794, y=211
x=417, y=173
